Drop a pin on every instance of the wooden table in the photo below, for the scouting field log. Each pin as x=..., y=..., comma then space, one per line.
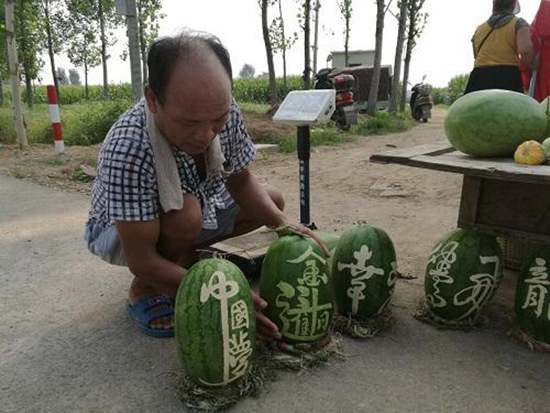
x=499, y=196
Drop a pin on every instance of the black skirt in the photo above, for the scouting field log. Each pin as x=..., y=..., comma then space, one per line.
x=495, y=77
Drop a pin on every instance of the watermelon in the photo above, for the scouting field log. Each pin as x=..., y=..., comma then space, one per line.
x=331, y=239
x=545, y=104
x=215, y=323
x=295, y=283
x=494, y=122
x=533, y=296
x=462, y=275
x=364, y=271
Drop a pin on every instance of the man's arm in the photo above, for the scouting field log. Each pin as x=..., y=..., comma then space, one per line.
x=139, y=243
x=252, y=197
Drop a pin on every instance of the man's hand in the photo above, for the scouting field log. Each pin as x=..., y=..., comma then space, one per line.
x=265, y=328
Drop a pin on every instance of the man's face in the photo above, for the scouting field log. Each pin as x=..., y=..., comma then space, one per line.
x=196, y=105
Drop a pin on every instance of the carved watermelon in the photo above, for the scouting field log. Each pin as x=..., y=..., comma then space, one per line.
x=533, y=296
x=215, y=322
x=295, y=283
x=462, y=274
x=494, y=122
x=364, y=271
x=331, y=239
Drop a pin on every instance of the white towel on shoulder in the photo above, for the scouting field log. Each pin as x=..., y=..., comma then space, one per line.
x=168, y=179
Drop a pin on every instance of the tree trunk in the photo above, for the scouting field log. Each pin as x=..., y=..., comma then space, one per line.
x=133, y=43
x=103, y=47
x=269, y=53
x=307, y=60
x=49, y=33
x=408, y=57
x=346, y=43
x=375, y=81
x=14, y=75
x=28, y=85
x=284, y=48
x=316, y=36
x=398, y=56
x=1, y=92
x=27, y=71
x=86, y=79
x=143, y=46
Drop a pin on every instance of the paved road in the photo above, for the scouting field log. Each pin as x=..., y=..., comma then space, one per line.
x=67, y=345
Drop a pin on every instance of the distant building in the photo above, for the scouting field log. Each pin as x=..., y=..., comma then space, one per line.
x=355, y=58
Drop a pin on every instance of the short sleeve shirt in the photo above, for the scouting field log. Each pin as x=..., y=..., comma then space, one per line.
x=126, y=189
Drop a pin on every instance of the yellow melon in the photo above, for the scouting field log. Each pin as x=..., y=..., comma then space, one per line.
x=530, y=153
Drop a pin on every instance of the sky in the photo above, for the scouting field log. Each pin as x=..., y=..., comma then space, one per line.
x=443, y=51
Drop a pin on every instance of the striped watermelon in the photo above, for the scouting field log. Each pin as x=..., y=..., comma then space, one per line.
x=215, y=322
x=295, y=283
x=462, y=274
x=364, y=271
x=532, y=296
x=331, y=239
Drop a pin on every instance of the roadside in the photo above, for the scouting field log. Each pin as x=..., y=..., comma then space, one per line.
x=67, y=344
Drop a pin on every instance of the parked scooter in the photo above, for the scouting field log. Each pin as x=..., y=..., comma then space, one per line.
x=421, y=101
x=345, y=113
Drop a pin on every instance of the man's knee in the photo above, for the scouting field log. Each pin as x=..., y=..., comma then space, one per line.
x=277, y=197
x=183, y=227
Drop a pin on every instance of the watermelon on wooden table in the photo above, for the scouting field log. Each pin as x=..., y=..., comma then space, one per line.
x=494, y=122
x=215, y=322
x=462, y=275
x=533, y=296
x=295, y=283
x=364, y=271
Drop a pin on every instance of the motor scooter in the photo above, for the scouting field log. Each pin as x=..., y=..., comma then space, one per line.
x=421, y=101
x=345, y=113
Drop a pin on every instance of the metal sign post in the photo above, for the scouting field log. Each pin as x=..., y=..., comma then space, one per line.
x=302, y=109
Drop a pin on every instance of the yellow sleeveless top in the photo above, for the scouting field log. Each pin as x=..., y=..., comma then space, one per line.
x=500, y=48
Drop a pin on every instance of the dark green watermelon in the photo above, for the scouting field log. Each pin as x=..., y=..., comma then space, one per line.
x=462, y=275
x=533, y=296
x=331, y=239
x=215, y=322
x=295, y=283
x=364, y=271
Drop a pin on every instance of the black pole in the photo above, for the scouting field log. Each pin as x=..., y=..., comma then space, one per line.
x=303, y=156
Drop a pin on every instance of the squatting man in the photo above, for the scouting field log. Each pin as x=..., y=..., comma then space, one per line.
x=173, y=177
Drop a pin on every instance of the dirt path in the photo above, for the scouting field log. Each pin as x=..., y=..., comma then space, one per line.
x=415, y=206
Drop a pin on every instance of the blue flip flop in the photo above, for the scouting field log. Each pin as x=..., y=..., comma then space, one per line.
x=142, y=315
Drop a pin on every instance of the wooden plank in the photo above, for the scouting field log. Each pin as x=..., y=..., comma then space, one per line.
x=513, y=209
x=403, y=155
x=471, y=192
x=441, y=157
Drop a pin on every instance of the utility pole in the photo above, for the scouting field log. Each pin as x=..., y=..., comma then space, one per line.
x=128, y=8
x=14, y=75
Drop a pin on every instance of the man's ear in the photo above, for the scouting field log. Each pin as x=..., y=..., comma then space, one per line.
x=152, y=100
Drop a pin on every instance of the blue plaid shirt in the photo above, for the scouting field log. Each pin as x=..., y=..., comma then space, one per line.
x=125, y=188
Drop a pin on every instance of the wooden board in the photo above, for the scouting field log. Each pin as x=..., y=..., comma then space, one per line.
x=442, y=157
x=508, y=209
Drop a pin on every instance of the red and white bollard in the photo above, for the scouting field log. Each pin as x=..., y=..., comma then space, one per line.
x=56, y=120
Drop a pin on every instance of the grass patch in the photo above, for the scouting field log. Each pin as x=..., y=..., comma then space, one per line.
x=325, y=135
x=83, y=124
x=18, y=173
x=382, y=123
x=260, y=108
x=57, y=160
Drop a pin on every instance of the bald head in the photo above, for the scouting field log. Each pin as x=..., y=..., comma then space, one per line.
x=187, y=51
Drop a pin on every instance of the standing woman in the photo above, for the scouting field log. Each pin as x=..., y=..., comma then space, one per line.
x=499, y=45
